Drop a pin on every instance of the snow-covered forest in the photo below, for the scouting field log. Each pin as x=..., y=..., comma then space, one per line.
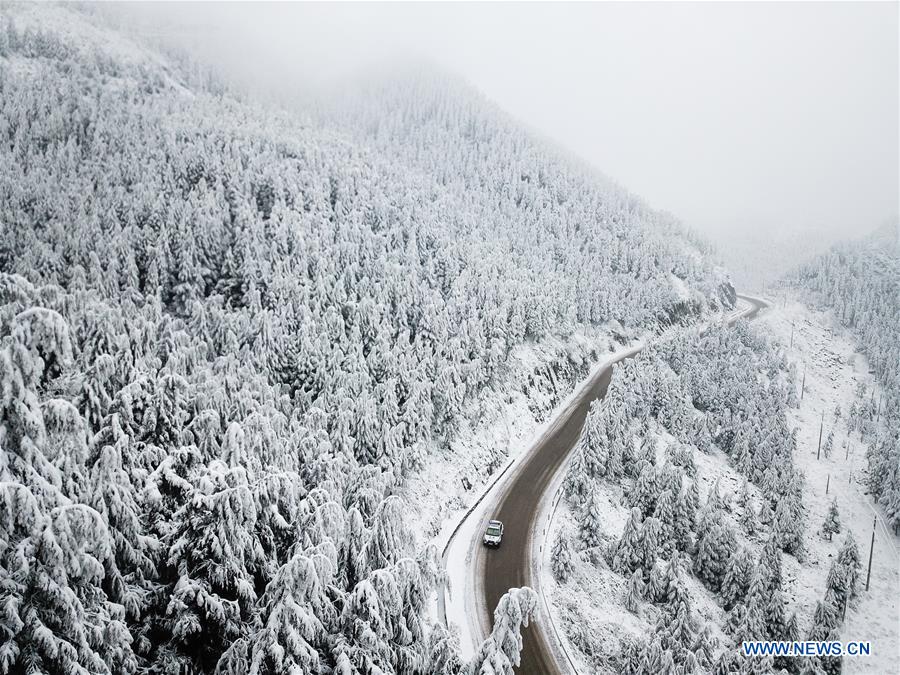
x=686, y=508
x=860, y=282
x=229, y=335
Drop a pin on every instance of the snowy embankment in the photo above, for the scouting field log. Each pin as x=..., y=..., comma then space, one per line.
x=833, y=369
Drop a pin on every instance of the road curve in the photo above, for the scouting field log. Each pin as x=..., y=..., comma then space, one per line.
x=518, y=506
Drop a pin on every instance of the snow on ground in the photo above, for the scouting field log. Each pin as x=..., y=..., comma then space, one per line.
x=833, y=369
x=497, y=429
x=86, y=28
x=500, y=426
x=589, y=608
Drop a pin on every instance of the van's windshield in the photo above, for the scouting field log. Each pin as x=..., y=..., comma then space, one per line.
x=494, y=531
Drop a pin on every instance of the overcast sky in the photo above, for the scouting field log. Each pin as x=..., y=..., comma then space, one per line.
x=747, y=117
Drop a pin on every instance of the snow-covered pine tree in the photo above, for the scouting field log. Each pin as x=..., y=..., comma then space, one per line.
x=750, y=520
x=57, y=616
x=649, y=548
x=765, y=512
x=790, y=520
x=390, y=538
x=561, y=558
x=683, y=521
x=747, y=619
x=832, y=524
x=499, y=654
x=676, y=627
x=775, y=616
x=840, y=585
x=770, y=559
x=646, y=490
x=737, y=577
x=216, y=558
x=665, y=514
x=704, y=646
x=682, y=456
x=629, y=661
x=635, y=592
x=297, y=616
x=628, y=556
x=848, y=558
x=714, y=548
x=443, y=650
x=590, y=521
x=825, y=624
x=593, y=442
x=577, y=483
x=657, y=588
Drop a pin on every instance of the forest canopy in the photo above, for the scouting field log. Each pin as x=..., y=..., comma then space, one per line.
x=228, y=336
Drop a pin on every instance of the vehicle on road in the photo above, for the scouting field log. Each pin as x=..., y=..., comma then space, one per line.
x=493, y=534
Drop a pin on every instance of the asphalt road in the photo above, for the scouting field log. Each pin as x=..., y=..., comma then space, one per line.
x=518, y=506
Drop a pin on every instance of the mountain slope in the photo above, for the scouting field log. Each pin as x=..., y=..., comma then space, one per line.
x=228, y=337
x=860, y=282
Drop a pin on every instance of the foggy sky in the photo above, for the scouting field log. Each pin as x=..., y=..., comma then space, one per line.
x=749, y=118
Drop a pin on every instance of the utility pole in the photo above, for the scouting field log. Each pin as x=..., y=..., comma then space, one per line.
x=792, y=334
x=871, y=548
x=847, y=454
x=821, y=426
x=803, y=384
x=827, y=484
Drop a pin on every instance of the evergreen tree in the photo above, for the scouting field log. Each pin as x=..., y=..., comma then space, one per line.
x=499, y=653
x=57, y=617
x=745, y=501
x=848, y=558
x=635, y=592
x=826, y=621
x=771, y=560
x=704, y=646
x=390, y=540
x=593, y=443
x=297, y=617
x=646, y=490
x=747, y=620
x=629, y=662
x=714, y=548
x=737, y=577
x=685, y=514
x=665, y=514
x=649, y=548
x=790, y=520
x=832, y=522
x=840, y=585
x=775, y=616
x=657, y=589
x=561, y=558
x=629, y=551
x=590, y=521
x=216, y=556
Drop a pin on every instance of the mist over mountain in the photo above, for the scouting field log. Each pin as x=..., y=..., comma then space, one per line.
x=230, y=335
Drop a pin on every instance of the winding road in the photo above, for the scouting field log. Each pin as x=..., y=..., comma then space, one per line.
x=519, y=504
